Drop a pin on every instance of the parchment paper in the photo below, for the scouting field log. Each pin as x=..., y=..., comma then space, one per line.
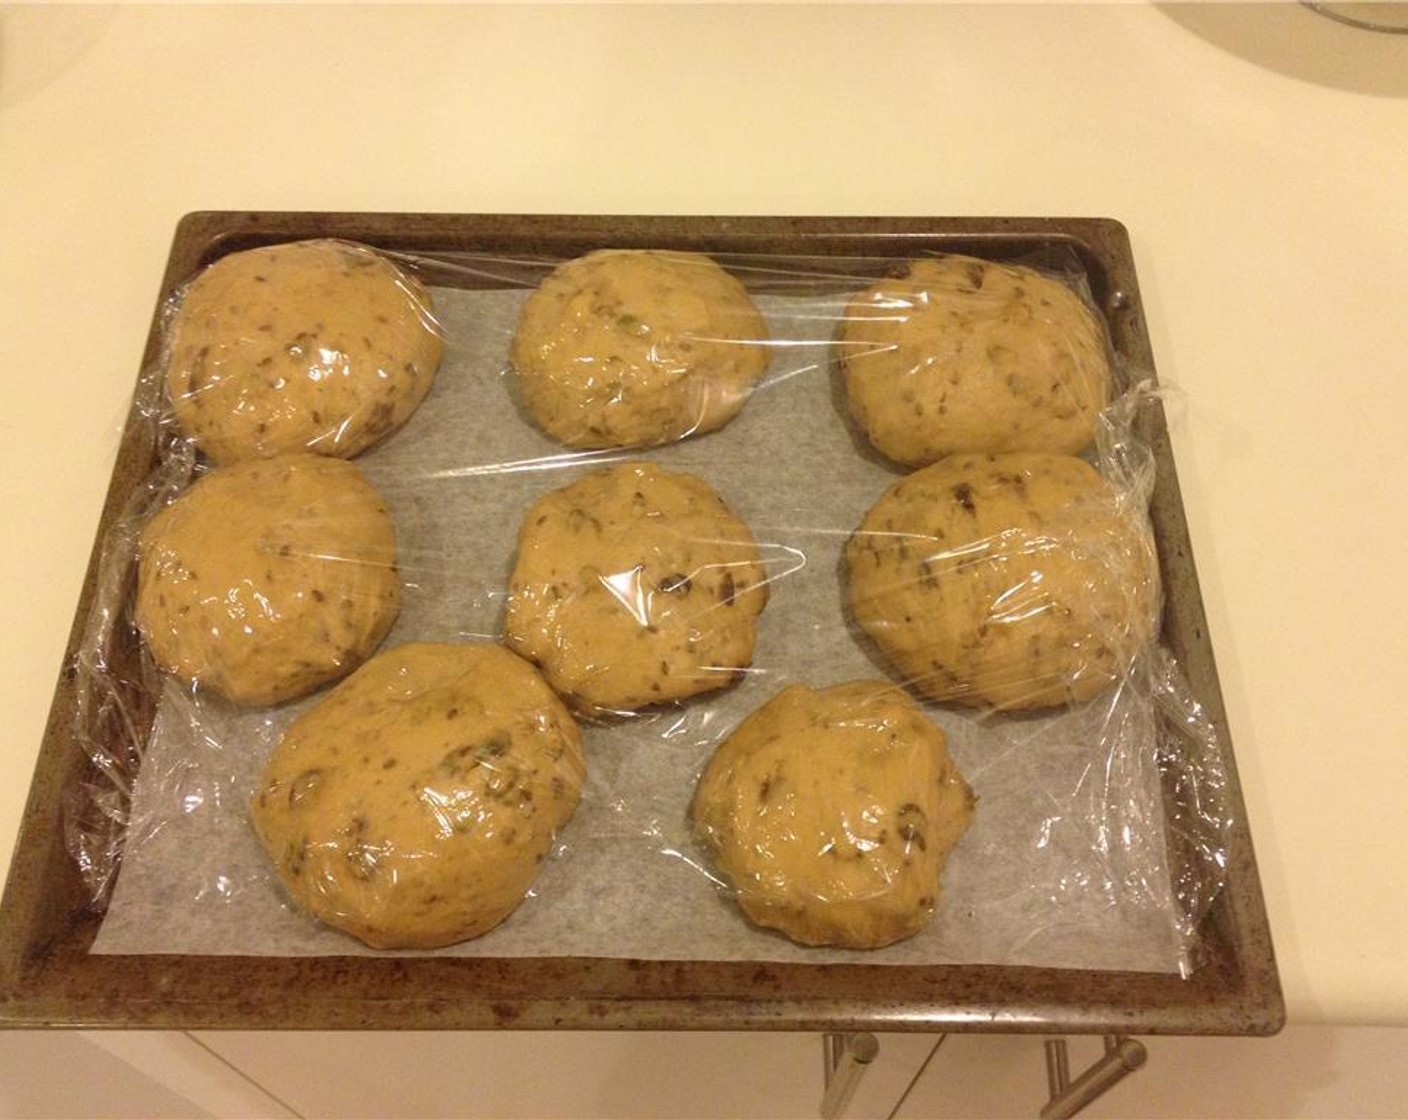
x=1064, y=866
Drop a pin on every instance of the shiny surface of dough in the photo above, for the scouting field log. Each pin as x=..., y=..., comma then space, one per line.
x=268, y=578
x=628, y=348
x=635, y=585
x=962, y=355
x=321, y=346
x=1013, y=581
x=413, y=806
x=832, y=813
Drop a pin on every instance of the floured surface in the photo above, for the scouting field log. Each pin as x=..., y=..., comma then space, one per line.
x=1064, y=865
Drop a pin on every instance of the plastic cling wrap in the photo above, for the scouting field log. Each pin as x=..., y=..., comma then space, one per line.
x=832, y=813
x=1067, y=860
x=412, y=806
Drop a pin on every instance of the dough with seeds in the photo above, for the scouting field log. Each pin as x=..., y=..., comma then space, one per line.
x=960, y=355
x=635, y=348
x=1016, y=581
x=322, y=346
x=269, y=578
x=634, y=586
x=413, y=805
x=832, y=812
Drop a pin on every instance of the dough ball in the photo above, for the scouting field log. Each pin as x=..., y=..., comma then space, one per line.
x=832, y=812
x=321, y=346
x=413, y=805
x=1014, y=581
x=633, y=586
x=269, y=578
x=635, y=348
x=961, y=355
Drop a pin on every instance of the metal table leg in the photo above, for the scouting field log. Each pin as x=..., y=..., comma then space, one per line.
x=846, y=1057
x=1122, y=1056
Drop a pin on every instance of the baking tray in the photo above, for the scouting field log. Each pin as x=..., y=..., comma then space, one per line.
x=47, y=923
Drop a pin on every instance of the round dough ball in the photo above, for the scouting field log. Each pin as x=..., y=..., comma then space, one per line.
x=960, y=354
x=832, y=813
x=268, y=578
x=1013, y=581
x=633, y=586
x=635, y=348
x=321, y=346
x=413, y=805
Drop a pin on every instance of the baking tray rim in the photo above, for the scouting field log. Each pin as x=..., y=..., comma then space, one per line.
x=48, y=978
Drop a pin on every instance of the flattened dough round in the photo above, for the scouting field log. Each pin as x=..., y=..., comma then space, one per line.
x=322, y=346
x=832, y=813
x=635, y=348
x=961, y=355
x=633, y=586
x=1014, y=581
x=268, y=578
x=413, y=805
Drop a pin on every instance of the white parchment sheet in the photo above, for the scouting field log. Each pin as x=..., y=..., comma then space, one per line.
x=1064, y=865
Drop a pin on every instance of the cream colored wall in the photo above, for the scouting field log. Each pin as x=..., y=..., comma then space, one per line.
x=1306, y=1072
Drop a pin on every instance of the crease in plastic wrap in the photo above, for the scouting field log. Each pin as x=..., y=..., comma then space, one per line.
x=1098, y=832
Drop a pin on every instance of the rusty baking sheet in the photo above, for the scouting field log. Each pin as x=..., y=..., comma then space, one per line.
x=48, y=976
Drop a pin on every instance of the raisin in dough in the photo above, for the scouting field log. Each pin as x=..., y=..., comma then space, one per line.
x=1016, y=581
x=633, y=586
x=635, y=348
x=832, y=812
x=268, y=578
x=320, y=346
x=962, y=355
x=413, y=805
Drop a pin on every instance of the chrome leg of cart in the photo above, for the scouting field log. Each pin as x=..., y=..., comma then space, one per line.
x=1122, y=1057
x=847, y=1056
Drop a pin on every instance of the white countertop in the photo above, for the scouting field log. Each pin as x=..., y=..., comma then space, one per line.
x=1258, y=156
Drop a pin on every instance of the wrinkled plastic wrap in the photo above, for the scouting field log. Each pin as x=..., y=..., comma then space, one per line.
x=1098, y=835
